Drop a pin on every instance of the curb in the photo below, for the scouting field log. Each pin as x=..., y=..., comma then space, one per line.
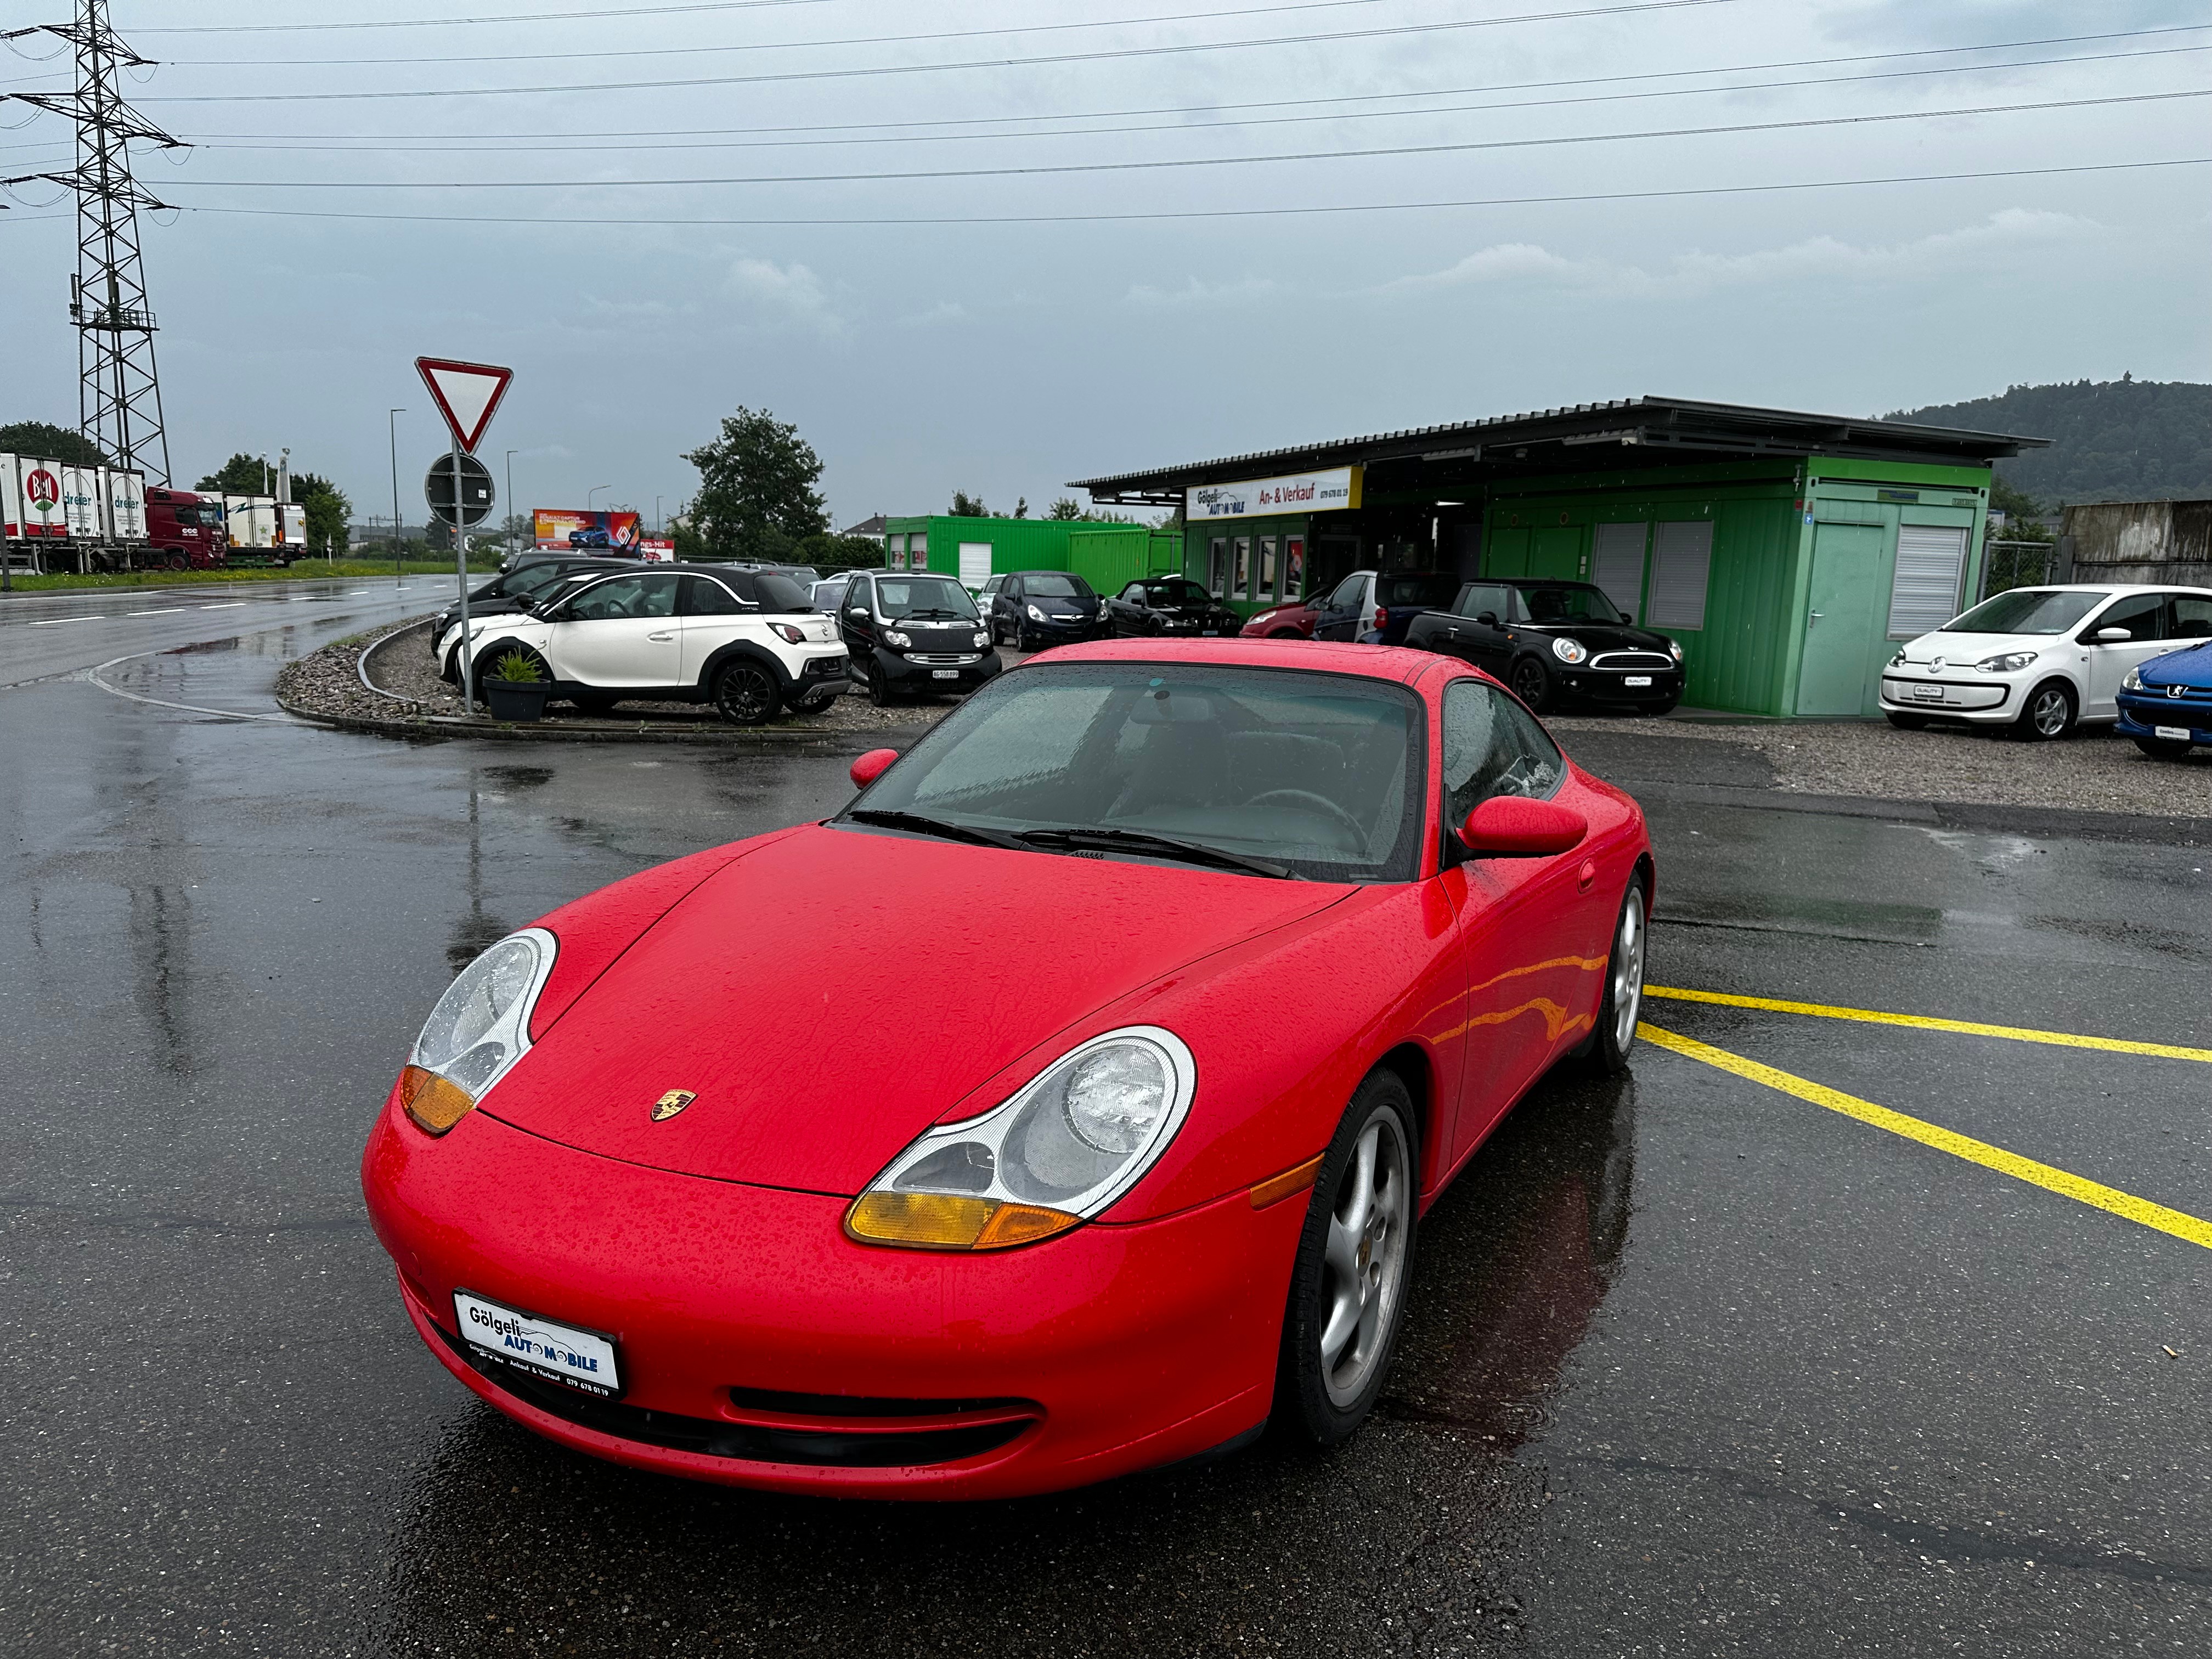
x=440, y=728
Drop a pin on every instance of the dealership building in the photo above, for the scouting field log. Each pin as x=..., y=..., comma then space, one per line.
x=1789, y=554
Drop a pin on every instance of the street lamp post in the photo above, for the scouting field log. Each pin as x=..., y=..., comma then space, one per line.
x=512, y=548
x=392, y=422
x=592, y=491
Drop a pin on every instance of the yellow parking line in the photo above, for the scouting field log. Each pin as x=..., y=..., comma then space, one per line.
x=2141, y=1211
x=1966, y=1027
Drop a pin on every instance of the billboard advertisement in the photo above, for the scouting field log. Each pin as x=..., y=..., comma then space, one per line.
x=560, y=529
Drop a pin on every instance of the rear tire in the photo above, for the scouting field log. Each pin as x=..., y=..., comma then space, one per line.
x=2162, y=748
x=1606, y=1050
x=747, y=694
x=2048, y=714
x=1531, y=684
x=879, y=688
x=1354, y=1263
x=1906, y=722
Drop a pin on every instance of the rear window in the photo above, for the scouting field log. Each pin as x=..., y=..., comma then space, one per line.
x=779, y=592
x=1436, y=591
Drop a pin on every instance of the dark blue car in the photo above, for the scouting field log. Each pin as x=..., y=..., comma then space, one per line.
x=2166, y=704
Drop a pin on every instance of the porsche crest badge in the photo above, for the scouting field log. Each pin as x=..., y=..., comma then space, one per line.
x=670, y=1103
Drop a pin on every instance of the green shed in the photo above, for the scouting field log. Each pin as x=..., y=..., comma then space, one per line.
x=1789, y=554
x=1107, y=556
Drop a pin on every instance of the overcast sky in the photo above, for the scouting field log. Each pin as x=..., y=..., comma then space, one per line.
x=1004, y=358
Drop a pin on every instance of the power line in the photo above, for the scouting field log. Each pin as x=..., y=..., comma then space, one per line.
x=765, y=46
x=595, y=147
x=1626, y=8
x=1064, y=168
x=450, y=22
x=1162, y=214
x=1300, y=103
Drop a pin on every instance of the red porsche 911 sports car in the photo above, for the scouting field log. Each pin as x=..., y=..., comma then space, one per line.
x=1253, y=944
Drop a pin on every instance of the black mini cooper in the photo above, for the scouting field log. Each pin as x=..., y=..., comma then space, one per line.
x=1555, y=643
x=1159, y=605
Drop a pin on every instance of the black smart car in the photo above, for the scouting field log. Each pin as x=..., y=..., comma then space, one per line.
x=1554, y=643
x=917, y=634
x=1034, y=608
x=1169, y=605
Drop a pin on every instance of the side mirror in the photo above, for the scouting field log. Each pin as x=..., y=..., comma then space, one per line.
x=871, y=766
x=2113, y=636
x=1513, y=826
x=1488, y=619
x=858, y=611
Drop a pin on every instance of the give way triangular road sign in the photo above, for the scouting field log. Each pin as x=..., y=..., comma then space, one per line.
x=467, y=395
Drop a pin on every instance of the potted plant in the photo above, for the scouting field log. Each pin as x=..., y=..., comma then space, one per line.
x=516, y=689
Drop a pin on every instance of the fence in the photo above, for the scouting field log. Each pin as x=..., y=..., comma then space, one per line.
x=2017, y=564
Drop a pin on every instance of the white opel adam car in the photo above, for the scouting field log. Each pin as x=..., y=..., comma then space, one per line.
x=746, y=641
x=2040, y=659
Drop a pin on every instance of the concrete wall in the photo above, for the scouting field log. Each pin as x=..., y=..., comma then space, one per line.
x=2141, y=541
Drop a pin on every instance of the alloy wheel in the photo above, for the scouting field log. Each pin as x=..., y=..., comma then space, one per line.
x=1628, y=970
x=744, y=694
x=2049, y=711
x=1364, y=1263
x=1529, y=683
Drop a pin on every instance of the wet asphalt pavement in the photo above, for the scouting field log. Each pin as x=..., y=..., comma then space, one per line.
x=1694, y=1366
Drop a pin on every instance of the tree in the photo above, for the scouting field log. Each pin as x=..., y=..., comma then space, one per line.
x=241, y=474
x=1021, y=506
x=327, y=512
x=756, y=496
x=1065, y=510
x=51, y=443
x=965, y=506
x=2023, y=512
x=840, y=553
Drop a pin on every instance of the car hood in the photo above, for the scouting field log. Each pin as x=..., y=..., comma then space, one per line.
x=1965, y=650
x=830, y=994
x=2188, y=664
x=1598, y=636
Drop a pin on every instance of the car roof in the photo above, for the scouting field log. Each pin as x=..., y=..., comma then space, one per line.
x=2105, y=587
x=1378, y=662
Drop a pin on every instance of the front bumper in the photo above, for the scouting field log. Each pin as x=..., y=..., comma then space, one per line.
x=1050, y=634
x=967, y=669
x=2143, y=714
x=754, y=1339
x=1608, y=686
x=1983, y=698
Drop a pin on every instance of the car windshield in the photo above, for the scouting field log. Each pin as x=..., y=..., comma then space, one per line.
x=1435, y=592
x=917, y=596
x=1180, y=591
x=1320, y=773
x=1566, y=604
x=2027, y=610
x=1055, y=584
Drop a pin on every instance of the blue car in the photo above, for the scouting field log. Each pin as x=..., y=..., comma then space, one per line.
x=2166, y=703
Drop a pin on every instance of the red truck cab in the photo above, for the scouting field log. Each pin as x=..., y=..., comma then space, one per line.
x=185, y=531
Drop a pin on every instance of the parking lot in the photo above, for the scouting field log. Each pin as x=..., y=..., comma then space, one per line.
x=1816, y=1333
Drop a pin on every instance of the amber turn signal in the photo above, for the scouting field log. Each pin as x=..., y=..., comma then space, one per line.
x=942, y=1221
x=436, y=1103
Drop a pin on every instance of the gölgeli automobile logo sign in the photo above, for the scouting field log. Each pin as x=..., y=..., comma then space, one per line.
x=1297, y=492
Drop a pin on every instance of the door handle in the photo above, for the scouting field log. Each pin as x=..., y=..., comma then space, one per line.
x=1812, y=617
x=1585, y=876
x=660, y=637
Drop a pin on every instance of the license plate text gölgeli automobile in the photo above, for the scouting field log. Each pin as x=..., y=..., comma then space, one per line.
x=583, y=1360
x=1637, y=679
x=1929, y=693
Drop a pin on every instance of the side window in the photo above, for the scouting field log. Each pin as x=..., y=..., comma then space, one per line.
x=2192, y=618
x=608, y=600
x=1479, y=596
x=705, y=597
x=1346, y=597
x=1012, y=590
x=1133, y=594
x=657, y=597
x=1493, y=746
x=2141, y=615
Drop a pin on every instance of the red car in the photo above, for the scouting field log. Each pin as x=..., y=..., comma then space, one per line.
x=1294, y=620
x=661, y=1186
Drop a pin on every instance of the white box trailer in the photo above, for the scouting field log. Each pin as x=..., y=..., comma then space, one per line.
x=30, y=510
x=126, y=504
x=83, y=503
x=292, y=527
x=251, y=521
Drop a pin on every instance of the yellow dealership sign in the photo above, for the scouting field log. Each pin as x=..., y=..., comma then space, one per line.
x=1297, y=492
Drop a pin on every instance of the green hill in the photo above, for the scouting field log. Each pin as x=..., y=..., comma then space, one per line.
x=2111, y=440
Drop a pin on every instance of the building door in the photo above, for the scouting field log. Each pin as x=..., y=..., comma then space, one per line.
x=1842, y=631
x=1555, y=553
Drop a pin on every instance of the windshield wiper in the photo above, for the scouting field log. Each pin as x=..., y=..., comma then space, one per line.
x=890, y=818
x=1139, y=841
x=930, y=610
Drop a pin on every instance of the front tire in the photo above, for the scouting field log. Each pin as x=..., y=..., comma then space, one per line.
x=2048, y=714
x=1355, y=1260
x=747, y=694
x=2162, y=748
x=1531, y=684
x=879, y=687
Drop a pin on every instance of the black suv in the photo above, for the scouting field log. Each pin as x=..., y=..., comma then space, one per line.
x=1034, y=608
x=912, y=632
x=1554, y=643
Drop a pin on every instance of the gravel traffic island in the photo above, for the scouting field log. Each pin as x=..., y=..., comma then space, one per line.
x=396, y=693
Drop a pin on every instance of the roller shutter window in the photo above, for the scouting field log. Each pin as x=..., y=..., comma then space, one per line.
x=975, y=564
x=917, y=552
x=1617, y=565
x=1924, y=594
x=1681, y=559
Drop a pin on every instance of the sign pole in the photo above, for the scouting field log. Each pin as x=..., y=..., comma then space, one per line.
x=467, y=654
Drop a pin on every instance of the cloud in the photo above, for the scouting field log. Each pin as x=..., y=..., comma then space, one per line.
x=789, y=293
x=2011, y=230
x=944, y=310
x=1196, y=292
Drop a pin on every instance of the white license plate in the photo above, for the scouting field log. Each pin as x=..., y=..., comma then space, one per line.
x=1209, y=632
x=1636, y=679
x=945, y=673
x=583, y=1360
x=1929, y=693
x=2177, y=734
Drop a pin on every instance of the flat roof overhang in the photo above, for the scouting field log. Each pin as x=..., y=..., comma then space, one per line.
x=1671, y=431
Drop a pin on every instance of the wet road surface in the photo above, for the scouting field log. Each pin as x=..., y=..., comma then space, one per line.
x=1694, y=1366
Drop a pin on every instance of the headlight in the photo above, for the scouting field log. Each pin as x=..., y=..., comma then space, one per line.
x=2133, y=681
x=2010, y=662
x=981, y=640
x=1897, y=661
x=1674, y=649
x=479, y=1029
x=897, y=636
x=1059, y=1151
x=1568, y=650
x=1035, y=615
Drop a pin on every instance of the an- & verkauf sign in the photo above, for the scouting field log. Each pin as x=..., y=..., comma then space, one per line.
x=1298, y=492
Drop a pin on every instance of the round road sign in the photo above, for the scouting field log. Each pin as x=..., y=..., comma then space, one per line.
x=475, y=491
